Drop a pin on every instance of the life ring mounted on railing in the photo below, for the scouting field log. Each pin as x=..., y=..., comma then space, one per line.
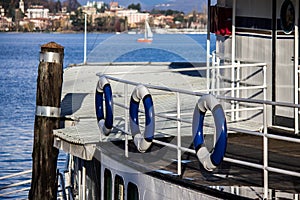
x=142, y=140
x=105, y=122
x=209, y=160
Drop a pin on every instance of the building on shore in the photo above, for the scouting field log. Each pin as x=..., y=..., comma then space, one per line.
x=133, y=16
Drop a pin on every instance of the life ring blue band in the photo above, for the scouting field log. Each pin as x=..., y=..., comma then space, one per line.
x=219, y=149
x=148, y=133
x=107, y=93
x=149, y=114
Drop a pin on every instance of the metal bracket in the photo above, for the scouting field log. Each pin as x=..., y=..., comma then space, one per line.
x=49, y=57
x=47, y=111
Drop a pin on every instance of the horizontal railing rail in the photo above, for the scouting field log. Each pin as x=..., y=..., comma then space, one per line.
x=14, y=188
x=220, y=97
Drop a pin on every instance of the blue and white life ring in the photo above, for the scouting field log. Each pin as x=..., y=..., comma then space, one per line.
x=209, y=160
x=105, y=122
x=142, y=140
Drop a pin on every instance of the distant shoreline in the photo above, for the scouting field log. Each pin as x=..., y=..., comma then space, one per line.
x=155, y=30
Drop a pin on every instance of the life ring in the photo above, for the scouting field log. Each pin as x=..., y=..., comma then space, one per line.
x=209, y=160
x=105, y=122
x=142, y=140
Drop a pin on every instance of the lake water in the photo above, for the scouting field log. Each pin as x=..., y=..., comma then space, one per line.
x=19, y=60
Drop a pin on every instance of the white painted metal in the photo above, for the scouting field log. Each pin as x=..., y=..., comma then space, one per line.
x=80, y=184
x=83, y=182
x=9, y=189
x=296, y=67
x=85, y=39
x=126, y=118
x=178, y=135
x=50, y=57
x=265, y=133
x=208, y=45
x=233, y=57
x=47, y=111
x=15, y=174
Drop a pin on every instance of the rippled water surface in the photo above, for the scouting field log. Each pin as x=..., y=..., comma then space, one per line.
x=19, y=60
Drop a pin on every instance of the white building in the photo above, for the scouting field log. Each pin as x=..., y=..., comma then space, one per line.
x=133, y=16
x=21, y=6
x=96, y=4
x=37, y=12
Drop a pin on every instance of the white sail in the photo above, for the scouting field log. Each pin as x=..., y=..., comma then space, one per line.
x=148, y=32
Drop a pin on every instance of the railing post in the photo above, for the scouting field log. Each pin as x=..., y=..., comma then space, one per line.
x=79, y=184
x=265, y=138
x=213, y=78
x=218, y=74
x=208, y=45
x=178, y=135
x=126, y=118
x=238, y=77
x=233, y=59
x=296, y=68
x=83, y=181
x=85, y=42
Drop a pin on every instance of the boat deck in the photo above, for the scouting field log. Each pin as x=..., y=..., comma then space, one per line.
x=81, y=137
x=163, y=160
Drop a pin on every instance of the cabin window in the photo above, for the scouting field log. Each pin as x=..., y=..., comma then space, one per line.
x=132, y=192
x=287, y=16
x=107, y=185
x=221, y=20
x=119, y=188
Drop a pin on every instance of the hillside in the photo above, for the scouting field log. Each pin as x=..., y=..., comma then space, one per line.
x=54, y=6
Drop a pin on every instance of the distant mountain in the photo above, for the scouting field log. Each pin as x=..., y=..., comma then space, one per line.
x=185, y=6
x=180, y=5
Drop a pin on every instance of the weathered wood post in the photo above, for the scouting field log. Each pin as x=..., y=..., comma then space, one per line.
x=47, y=118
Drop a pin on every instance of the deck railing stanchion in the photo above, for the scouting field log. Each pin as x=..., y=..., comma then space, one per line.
x=178, y=135
x=265, y=138
x=213, y=76
x=233, y=59
x=218, y=75
x=83, y=181
x=208, y=45
x=79, y=184
x=296, y=68
x=85, y=42
x=238, y=77
x=126, y=118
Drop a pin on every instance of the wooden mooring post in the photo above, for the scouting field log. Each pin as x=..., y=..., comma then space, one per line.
x=47, y=118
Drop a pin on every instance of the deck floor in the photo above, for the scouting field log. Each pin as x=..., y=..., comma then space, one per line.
x=243, y=147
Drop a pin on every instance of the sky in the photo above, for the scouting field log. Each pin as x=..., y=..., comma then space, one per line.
x=181, y=5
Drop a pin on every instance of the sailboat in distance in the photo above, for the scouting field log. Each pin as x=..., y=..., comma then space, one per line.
x=148, y=37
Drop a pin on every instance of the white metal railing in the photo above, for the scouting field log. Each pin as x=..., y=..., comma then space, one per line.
x=263, y=106
x=14, y=188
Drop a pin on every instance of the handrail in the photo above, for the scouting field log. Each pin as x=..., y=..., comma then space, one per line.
x=16, y=174
x=176, y=117
x=14, y=185
x=226, y=98
x=186, y=69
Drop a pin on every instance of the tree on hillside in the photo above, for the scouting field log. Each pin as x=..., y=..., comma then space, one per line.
x=78, y=20
x=166, y=12
x=135, y=7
